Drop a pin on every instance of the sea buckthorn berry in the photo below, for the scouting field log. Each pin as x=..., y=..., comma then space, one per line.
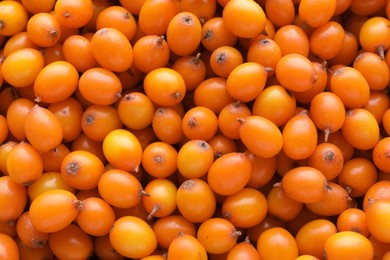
x=117, y=17
x=246, y=208
x=224, y=60
x=350, y=86
x=16, y=114
x=304, y=184
x=196, y=200
x=186, y=246
x=217, y=235
x=316, y=13
x=53, y=210
x=328, y=159
x=277, y=243
x=73, y=14
x=184, y=33
x=96, y=216
x=170, y=227
x=353, y=219
x=261, y=136
x=292, y=39
x=357, y=176
x=380, y=154
x=123, y=150
x=100, y=86
x=22, y=66
x=222, y=145
x=299, y=136
x=110, y=42
x=282, y=206
x=374, y=35
x=212, y=93
x=53, y=53
x=151, y=52
x=215, y=34
x=71, y=241
x=130, y=229
x=154, y=16
x=199, y=123
x=327, y=112
x=165, y=87
x=227, y=119
x=166, y=124
x=160, y=199
x=342, y=6
x=276, y=104
x=295, y=72
x=222, y=176
x=135, y=110
x=203, y=10
x=194, y=159
x=77, y=50
x=244, y=18
x=14, y=18
x=378, y=191
x=377, y=105
x=159, y=159
x=376, y=215
x=277, y=18
x=18, y=41
x=9, y=247
x=246, y=81
x=374, y=69
x=318, y=230
x=13, y=199
x=348, y=244
x=265, y=52
x=334, y=202
x=39, y=122
x=385, y=121
x=82, y=170
x=360, y=129
x=192, y=68
x=243, y=250
x=120, y=189
x=24, y=164
x=327, y=40
x=4, y=130
x=367, y=8
x=43, y=29
x=28, y=234
x=56, y=82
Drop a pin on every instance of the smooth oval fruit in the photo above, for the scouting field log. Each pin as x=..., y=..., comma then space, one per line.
x=43, y=129
x=261, y=136
x=130, y=230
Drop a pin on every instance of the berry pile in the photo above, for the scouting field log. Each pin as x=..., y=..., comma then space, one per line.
x=195, y=129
